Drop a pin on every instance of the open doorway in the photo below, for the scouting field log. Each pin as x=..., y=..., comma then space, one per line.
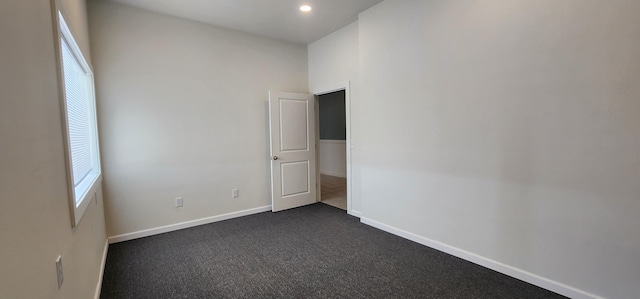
x=332, y=148
x=294, y=158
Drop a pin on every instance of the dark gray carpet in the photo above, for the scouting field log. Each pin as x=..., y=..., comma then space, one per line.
x=315, y=251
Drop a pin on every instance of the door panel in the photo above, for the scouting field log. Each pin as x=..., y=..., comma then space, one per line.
x=294, y=130
x=295, y=178
x=293, y=169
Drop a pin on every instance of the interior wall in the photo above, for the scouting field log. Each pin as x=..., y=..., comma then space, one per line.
x=35, y=221
x=334, y=59
x=331, y=110
x=75, y=13
x=333, y=157
x=182, y=109
x=514, y=128
x=332, y=147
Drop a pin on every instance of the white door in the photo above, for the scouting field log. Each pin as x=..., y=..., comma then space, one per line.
x=293, y=150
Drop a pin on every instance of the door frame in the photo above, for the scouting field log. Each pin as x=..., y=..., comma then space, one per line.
x=346, y=86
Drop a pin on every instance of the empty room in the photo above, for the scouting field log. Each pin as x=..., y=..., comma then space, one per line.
x=319, y=149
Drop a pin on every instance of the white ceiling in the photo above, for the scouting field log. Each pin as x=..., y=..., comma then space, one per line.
x=280, y=19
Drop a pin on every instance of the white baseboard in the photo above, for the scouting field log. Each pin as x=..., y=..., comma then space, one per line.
x=355, y=213
x=102, y=265
x=183, y=225
x=531, y=278
x=331, y=173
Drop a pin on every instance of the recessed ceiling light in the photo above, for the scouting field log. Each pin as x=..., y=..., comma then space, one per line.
x=305, y=8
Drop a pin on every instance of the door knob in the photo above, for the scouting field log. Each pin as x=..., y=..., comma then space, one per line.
x=275, y=158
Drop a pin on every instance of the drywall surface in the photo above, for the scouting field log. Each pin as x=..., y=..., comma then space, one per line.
x=75, y=13
x=333, y=157
x=513, y=129
x=331, y=112
x=182, y=109
x=35, y=224
x=334, y=59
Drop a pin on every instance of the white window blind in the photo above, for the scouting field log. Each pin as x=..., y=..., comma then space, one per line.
x=78, y=109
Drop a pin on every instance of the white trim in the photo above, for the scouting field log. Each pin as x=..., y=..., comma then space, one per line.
x=331, y=141
x=346, y=86
x=102, y=265
x=331, y=88
x=183, y=225
x=531, y=278
x=355, y=213
x=336, y=174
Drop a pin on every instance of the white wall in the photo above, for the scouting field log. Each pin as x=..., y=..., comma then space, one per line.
x=514, y=132
x=75, y=13
x=35, y=224
x=333, y=157
x=183, y=112
x=334, y=59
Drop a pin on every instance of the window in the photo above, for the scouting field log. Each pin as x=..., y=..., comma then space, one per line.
x=81, y=129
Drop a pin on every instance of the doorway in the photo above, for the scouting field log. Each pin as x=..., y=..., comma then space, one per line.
x=294, y=140
x=333, y=140
x=332, y=149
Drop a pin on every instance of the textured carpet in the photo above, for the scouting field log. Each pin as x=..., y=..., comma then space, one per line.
x=315, y=251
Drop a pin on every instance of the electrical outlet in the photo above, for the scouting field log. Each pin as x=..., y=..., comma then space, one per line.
x=178, y=202
x=59, y=271
x=235, y=193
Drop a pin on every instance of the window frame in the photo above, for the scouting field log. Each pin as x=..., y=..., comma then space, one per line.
x=80, y=196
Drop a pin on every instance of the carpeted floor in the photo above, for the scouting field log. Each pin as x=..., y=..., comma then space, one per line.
x=316, y=251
